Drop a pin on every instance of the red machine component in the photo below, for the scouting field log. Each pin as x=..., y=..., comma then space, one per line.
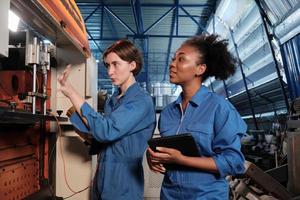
x=23, y=147
x=19, y=163
x=14, y=87
x=19, y=180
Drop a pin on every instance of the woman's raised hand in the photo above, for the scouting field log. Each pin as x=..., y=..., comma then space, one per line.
x=62, y=78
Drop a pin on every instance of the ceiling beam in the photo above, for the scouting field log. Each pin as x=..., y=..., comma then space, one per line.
x=145, y=36
x=243, y=75
x=159, y=20
x=119, y=19
x=92, y=39
x=174, y=21
x=192, y=18
x=86, y=4
x=92, y=13
x=138, y=17
x=102, y=20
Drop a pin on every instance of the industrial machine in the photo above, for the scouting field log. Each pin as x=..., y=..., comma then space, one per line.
x=50, y=35
x=280, y=181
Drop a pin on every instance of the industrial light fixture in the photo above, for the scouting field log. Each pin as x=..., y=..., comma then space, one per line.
x=13, y=21
x=46, y=41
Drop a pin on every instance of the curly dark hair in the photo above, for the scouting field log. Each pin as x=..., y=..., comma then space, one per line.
x=214, y=53
x=126, y=51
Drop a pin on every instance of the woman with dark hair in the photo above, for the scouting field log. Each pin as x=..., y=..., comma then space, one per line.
x=213, y=122
x=123, y=130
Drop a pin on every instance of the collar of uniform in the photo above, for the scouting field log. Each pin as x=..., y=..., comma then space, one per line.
x=130, y=90
x=179, y=99
x=197, y=98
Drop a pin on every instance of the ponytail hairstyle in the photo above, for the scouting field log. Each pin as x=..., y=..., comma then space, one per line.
x=220, y=63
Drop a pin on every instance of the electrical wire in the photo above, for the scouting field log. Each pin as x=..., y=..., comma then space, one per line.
x=76, y=193
x=52, y=151
x=64, y=164
x=49, y=162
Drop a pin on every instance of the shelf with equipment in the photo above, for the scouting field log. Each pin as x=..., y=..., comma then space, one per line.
x=19, y=117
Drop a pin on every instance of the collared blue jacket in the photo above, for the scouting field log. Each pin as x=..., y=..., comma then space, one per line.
x=123, y=131
x=217, y=128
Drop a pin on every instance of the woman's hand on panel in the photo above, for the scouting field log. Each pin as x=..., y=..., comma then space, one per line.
x=62, y=78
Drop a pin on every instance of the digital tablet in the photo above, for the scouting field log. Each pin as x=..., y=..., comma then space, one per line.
x=185, y=143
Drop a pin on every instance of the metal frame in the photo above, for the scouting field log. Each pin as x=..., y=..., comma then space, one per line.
x=141, y=32
x=265, y=20
x=159, y=20
x=244, y=77
x=119, y=19
x=192, y=18
x=242, y=72
x=174, y=20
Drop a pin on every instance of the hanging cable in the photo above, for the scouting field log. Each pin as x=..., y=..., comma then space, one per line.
x=63, y=159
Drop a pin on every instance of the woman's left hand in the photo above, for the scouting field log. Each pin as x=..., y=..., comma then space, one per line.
x=167, y=155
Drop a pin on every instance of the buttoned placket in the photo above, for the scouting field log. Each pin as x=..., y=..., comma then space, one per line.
x=102, y=156
x=178, y=177
x=182, y=116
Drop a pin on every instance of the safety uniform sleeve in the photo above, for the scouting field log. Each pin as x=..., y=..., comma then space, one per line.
x=77, y=122
x=229, y=128
x=125, y=120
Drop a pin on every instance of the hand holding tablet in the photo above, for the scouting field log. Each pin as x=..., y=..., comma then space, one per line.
x=184, y=143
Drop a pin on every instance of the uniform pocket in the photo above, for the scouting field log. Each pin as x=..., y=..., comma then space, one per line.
x=169, y=129
x=203, y=135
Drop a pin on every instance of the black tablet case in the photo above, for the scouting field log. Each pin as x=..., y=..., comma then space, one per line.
x=184, y=143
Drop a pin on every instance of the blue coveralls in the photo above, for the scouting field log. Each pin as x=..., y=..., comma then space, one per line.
x=217, y=128
x=124, y=129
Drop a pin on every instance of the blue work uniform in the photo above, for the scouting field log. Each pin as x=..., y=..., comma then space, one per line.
x=123, y=131
x=217, y=128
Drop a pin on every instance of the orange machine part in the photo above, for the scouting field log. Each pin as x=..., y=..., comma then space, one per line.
x=67, y=14
x=16, y=82
x=20, y=147
x=19, y=165
x=19, y=180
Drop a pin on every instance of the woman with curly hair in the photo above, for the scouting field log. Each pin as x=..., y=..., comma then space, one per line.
x=213, y=122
